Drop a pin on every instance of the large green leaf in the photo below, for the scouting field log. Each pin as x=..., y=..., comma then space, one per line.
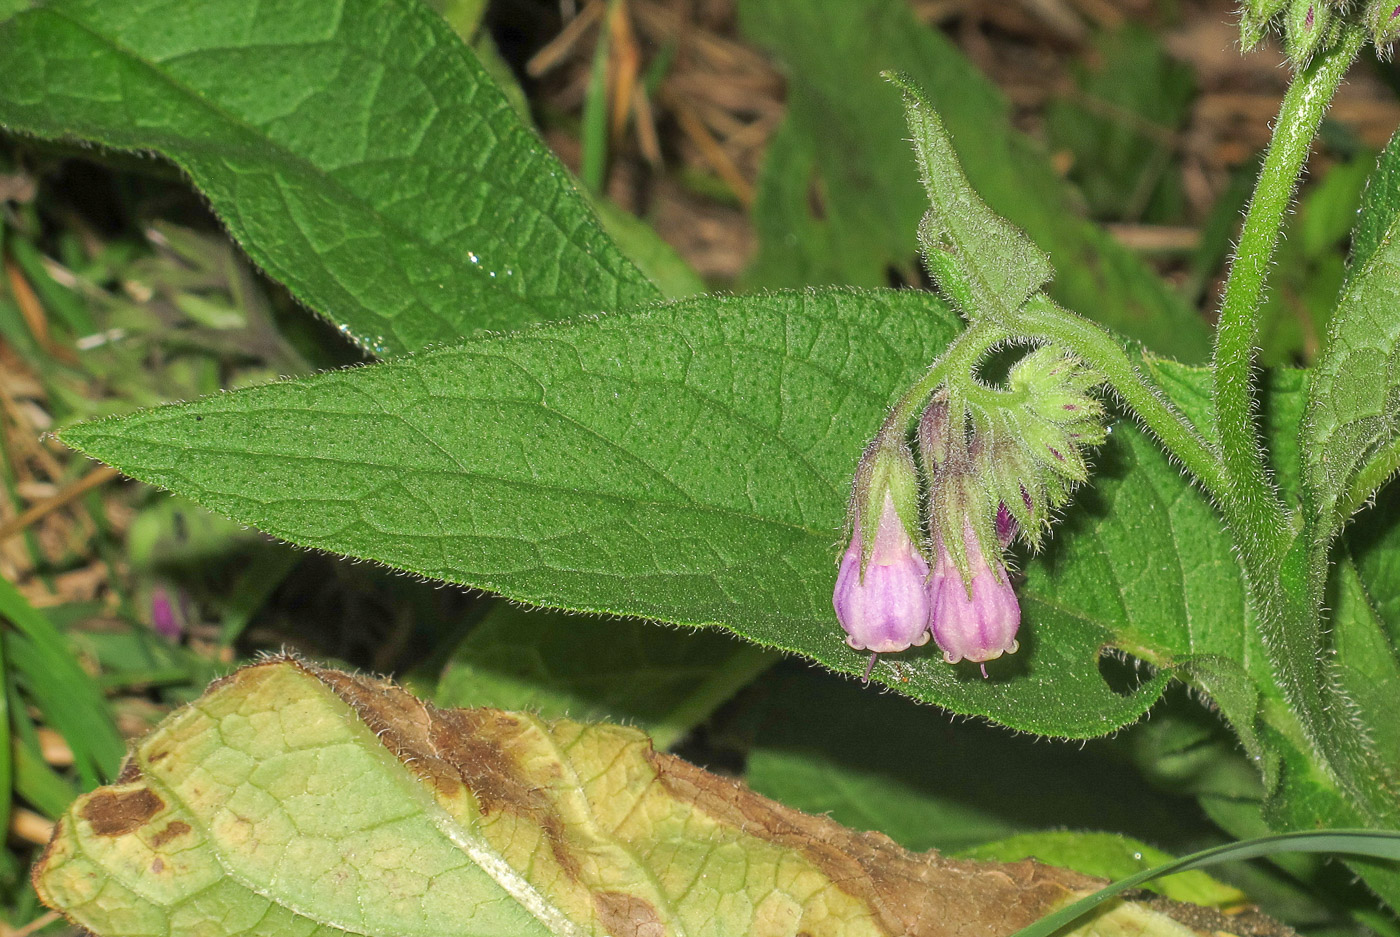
x=1354, y=404
x=296, y=800
x=880, y=762
x=688, y=463
x=839, y=200
x=356, y=150
x=1380, y=205
x=1374, y=540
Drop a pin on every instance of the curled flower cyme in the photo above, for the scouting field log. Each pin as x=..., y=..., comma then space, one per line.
x=887, y=608
x=974, y=621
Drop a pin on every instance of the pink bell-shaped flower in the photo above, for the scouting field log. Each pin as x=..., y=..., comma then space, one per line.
x=886, y=609
x=977, y=624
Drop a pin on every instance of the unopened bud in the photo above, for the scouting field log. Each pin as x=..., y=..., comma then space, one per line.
x=1305, y=28
x=1383, y=22
x=935, y=432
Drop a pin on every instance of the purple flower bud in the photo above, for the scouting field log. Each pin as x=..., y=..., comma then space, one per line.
x=885, y=610
x=935, y=433
x=979, y=627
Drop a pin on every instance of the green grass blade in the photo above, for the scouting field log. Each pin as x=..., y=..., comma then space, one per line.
x=357, y=151
x=1369, y=843
x=70, y=699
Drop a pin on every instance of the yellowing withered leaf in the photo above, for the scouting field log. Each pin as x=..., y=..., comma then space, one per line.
x=300, y=802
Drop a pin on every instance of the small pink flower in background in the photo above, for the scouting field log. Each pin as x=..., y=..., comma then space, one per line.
x=167, y=613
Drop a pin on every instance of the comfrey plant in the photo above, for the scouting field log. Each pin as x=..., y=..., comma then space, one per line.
x=542, y=421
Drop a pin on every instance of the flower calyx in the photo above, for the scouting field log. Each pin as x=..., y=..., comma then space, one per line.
x=1018, y=453
x=886, y=473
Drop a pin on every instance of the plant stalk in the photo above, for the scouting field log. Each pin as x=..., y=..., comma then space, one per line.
x=1251, y=504
x=961, y=355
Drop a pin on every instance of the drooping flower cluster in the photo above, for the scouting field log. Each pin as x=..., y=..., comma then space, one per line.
x=994, y=464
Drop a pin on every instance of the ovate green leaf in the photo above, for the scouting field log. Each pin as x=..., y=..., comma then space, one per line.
x=1380, y=205
x=1354, y=399
x=357, y=151
x=664, y=680
x=839, y=199
x=928, y=781
x=689, y=463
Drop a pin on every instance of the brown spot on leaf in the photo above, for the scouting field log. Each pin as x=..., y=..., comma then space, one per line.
x=172, y=829
x=450, y=748
x=158, y=866
x=624, y=915
x=113, y=813
x=917, y=895
x=908, y=893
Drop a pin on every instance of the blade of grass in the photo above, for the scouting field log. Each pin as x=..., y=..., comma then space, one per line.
x=36, y=781
x=1369, y=843
x=6, y=761
x=57, y=300
x=594, y=164
x=39, y=784
x=70, y=700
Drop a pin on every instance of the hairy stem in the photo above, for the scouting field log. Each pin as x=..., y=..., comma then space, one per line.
x=961, y=356
x=1251, y=505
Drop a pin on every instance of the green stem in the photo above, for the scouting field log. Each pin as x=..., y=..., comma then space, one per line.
x=1041, y=318
x=1251, y=504
x=961, y=355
